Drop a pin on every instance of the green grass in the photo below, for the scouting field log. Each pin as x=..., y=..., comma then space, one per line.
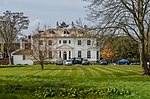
x=91, y=82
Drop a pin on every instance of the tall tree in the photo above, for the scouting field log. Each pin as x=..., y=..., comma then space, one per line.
x=124, y=16
x=11, y=25
x=43, y=47
x=125, y=47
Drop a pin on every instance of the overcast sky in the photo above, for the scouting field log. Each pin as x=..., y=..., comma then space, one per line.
x=46, y=12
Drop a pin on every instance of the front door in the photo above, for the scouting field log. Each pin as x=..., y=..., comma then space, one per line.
x=64, y=55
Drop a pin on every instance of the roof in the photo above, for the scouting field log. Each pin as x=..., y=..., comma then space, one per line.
x=64, y=32
x=22, y=52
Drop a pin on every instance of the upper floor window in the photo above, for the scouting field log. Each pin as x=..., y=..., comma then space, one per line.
x=88, y=42
x=40, y=42
x=69, y=41
x=97, y=44
x=64, y=41
x=59, y=41
x=79, y=42
x=79, y=54
x=50, y=42
x=88, y=54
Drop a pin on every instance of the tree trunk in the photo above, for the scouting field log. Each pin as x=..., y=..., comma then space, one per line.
x=9, y=56
x=143, y=57
x=42, y=65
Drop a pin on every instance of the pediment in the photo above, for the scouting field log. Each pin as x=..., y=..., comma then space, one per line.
x=64, y=47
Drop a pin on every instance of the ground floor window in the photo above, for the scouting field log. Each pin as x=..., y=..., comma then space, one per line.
x=59, y=54
x=69, y=54
x=24, y=57
x=79, y=54
x=88, y=54
x=50, y=54
x=97, y=53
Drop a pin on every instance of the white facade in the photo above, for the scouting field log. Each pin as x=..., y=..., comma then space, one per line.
x=72, y=49
x=65, y=44
x=73, y=44
x=18, y=59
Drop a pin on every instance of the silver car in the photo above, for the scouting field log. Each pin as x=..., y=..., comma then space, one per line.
x=59, y=61
x=68, y=62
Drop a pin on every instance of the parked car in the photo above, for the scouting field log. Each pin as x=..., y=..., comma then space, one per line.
x=77, y=60
x=123, y=62
x=103, y=62
x=68, y=62
x=135, y=63
x=59, y=61
x=85, y=62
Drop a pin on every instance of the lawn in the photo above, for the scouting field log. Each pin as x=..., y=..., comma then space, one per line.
x=91, y=82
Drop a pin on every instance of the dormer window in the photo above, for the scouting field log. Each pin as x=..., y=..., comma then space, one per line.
x=66, y=32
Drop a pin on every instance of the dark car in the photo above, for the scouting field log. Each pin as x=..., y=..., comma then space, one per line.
x=123, y=62
x=77, y=60
x=103, y=62
x=59, y=61
x=85, y=62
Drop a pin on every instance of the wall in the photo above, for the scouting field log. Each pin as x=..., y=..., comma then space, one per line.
x=83, y=48
x=18, y=59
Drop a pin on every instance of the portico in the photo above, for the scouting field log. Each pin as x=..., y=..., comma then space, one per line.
x=65, y=52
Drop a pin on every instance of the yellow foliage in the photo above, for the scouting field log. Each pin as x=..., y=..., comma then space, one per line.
x=107, y=53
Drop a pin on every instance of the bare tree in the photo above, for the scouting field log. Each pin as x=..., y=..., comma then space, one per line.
x=11, y=24
x=131, y=17
x=42, y=47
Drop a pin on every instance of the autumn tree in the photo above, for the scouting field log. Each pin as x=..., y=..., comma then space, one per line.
x=124, y=16
x=107, y=53
x=11, y=25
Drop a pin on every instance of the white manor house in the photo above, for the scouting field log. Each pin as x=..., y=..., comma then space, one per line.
x=62, y=43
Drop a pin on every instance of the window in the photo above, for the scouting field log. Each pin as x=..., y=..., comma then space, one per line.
x=64, y=41
x=40, y=42
x=97, y=52
x=0, y=47
x=69, y=41
x=88, y=42
x=40, y=54
x=59, y=41
x=69, y=54
x=65, y=55
x=79, y=42
x=79, y=53
x=50, y=54
x=27, y=45
x=66, y=32
x=24, y=57
x=88, y=54
x=59, y=54
x=50, y=42
x=97, y=43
